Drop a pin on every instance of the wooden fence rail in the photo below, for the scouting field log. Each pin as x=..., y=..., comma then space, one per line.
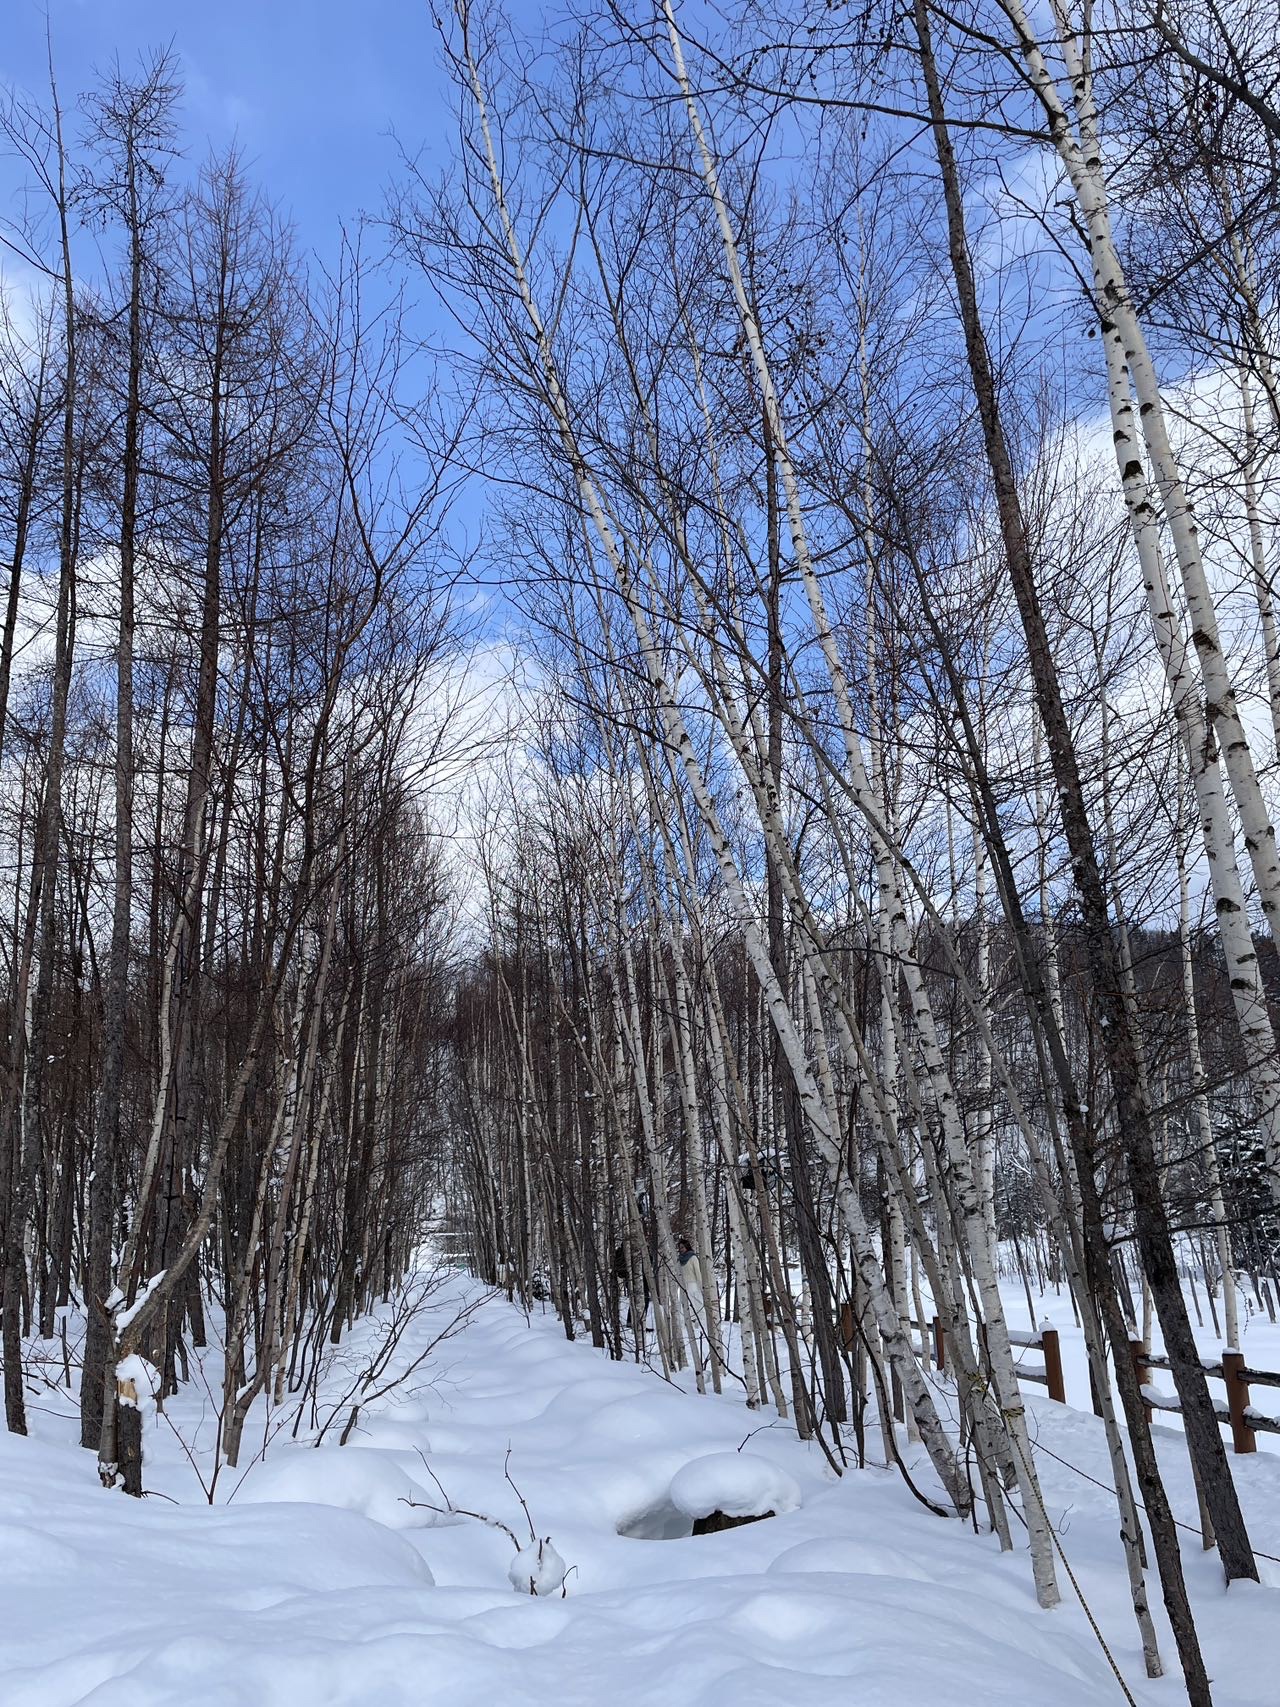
x=1245, y=1422
x=1045, y=1339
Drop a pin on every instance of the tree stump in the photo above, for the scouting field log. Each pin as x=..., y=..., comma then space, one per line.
x=715, y=1521
x=129, y=1431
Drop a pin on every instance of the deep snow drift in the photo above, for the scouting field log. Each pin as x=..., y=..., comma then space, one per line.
x=337, y=1576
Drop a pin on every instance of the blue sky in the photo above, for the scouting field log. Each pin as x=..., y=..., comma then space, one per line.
x=310, y=91
x=309, y=88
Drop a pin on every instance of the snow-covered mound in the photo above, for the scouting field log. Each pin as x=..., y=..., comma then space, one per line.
x=851, y=1555
x=537, y=1569
x=349, y=1477
x=736, y=1483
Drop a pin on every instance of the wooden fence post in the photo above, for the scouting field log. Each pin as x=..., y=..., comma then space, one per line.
x=1053, y=1363
x=1243, y=1438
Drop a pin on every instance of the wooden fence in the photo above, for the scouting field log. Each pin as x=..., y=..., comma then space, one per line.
x=1245, y=1422
x=1045, y=1339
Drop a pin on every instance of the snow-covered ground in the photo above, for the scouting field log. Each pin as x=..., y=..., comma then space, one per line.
x=311, y=1580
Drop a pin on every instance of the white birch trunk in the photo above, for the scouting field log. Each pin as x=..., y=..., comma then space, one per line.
x=1078, y=143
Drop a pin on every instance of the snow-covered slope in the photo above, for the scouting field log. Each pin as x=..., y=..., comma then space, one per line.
x=333, y=1577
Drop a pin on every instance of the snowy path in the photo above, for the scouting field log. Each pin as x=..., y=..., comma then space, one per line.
x=858, y=1596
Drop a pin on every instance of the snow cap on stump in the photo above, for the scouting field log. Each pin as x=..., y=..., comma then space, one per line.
x=735, y=1483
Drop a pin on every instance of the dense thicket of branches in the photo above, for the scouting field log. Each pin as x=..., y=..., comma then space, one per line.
x=223, y=939
x=886, y=404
